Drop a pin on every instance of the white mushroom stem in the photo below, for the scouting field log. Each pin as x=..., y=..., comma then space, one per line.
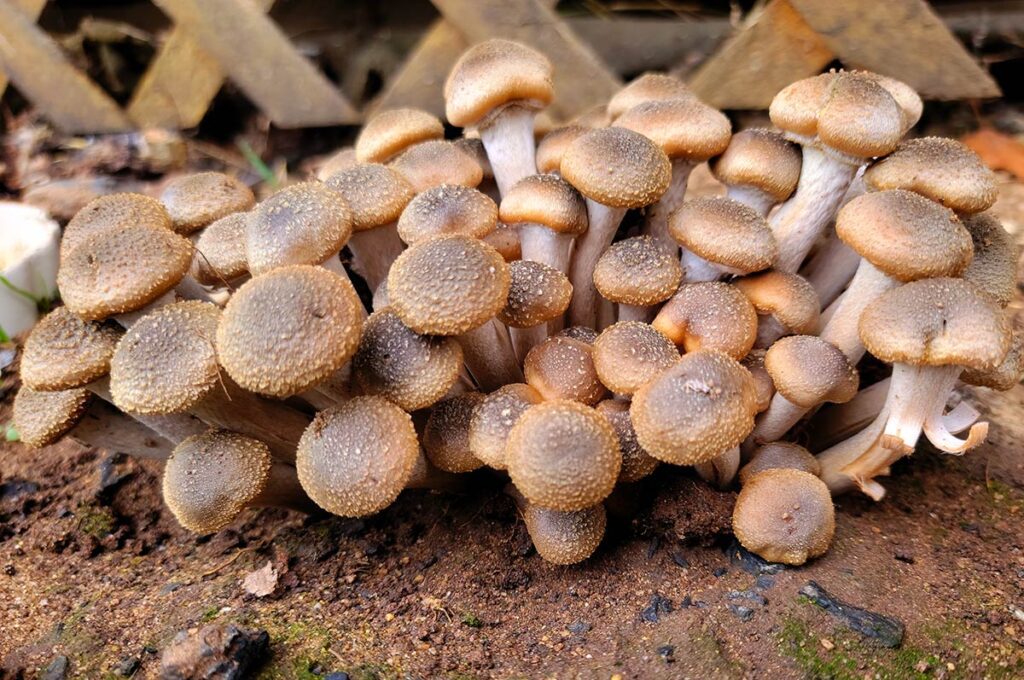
x=722, y=469
x=127, y=319
x=190, y=289
x=769, y=329
x=487, y=351
x=635, y=313
x=104, y=427
x=603, y=223
x=841, y=329
x=284, y=491
x=777, y=420
x=830, y=270
x=751, y=197
x=525, y=339
x=840, y=421
x=373, y=252
x=656, y=222
x=509, y=142
x=540, y=244
x=173, y=427
x=333, y=264
x=606, y=314
x=696, y=269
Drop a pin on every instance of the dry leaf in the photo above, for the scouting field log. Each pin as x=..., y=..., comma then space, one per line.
x=998, y=151
x=261, y=582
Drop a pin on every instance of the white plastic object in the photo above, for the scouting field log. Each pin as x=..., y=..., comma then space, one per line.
x=29, y=255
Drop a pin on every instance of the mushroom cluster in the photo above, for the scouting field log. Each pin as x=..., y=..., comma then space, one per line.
x=551, y=306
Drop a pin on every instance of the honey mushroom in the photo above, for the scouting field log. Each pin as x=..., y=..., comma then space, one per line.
x=763, y=385
x=709, y=315
x=41, y=418
x=388, y=133
x=342, y=159
x=759, y=168
x=549, y=215
x=197, y=200
x=116, y=211
x=561, y=537
x=630, y=354
x=636, y=462
x=721, y=237
x=637, y=274
x=647, y=87
x=447, y=209
x=993, y=269
x=436, y=162
x=786, y=304
x=552, y=147
x=493, y=419
x=446, y=437
x=776, y=455
x=563, y=368
x=219, y=258
x=537, y=295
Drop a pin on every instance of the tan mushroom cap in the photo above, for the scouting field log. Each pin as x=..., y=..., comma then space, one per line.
x=552, y=147
x=905, y=96
x=698, y=409
x=759, y=158
x=936, y=322
x=448, y=209
x=638, y=271
x=355, y=458
x=114, y=210
x=305, y=223
x=412, y=370
x=648, y=87
x=43, y=417
x=808, y=371
x=220, y=251
x=492, y=75
x=685, y=129
x=493, y=420
x=617, y=167
x=448, y=285
x=288, y=330
x=584, y=334
x=787, y=297
x=776, y=455
x=376, y=194
x=389, y=133
x=636, y=463
x=629, y=354
x=763, y=385
x=119, y=270
x=62, y=352
x=194, y=201
x=563, y=455
x=1007, y=374
x=942, y=169
x=474, y=148
x=340, y=160
x=505, y=240
x=437, y=162
x=211, y=477
x=784, y=515
x=994, y=266
x=537, y=294
x=725, y=232
x=565, y=537
x=446, y=436
x=547, y=200
x=563, y=368
x=711, y=315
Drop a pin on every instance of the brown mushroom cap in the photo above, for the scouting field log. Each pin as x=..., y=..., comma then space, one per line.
x=340, y=160
x=62, y=352
x=493, y=419
x=725, y=232
x=787, y=297
x=437, y=162
x=617, y=167
x=376, y=194
x=759, y=158
x=1007, y=374
x=807, y=371
x=547, y=200
x=288, y=330
x=645, y=88
x=629, y=354
x=776, y=455
x=563, y=368
x=636, y=463
x=448, y=285
x=388, y=133
x=505, y=240
x=584, y=334
x=994, y=266
x=685, y=129
x=117, y=211
x=220, y=251
x=710, y=315
x=194, y=201
x=638, y=271
x=355, y=458
x=553, y=145
x=763, y=385
x=565, y=537
x=905, y=96
x=474, y=148
x=563, y=455
x=446, y=436
x=42, y=418
x=448, y=209
x=698, y=409
x=412, y=370
x=537, y=294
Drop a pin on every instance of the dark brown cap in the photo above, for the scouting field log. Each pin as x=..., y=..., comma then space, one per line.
x=62, y=351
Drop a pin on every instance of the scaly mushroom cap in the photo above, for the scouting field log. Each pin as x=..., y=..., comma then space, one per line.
x=563, y=368
x=994, y=266
x=784, y=516
x=685, y=129
x=375, y=194
x=389, y=133
x=167, y=361
x=340, y=160
x=304, y=223
x=547, y=200
x=786, y=296
x=118, y=270
x=936, y=322
x=638, y=271
x=636, y=463
x=42, y=418
x=780, y=455
x=194, y=201
x=493, y=75
x=220, y=251
x=114, y=210
x=437, y=162
x=565, y=537
x=505, y=240
x=355, y=458
x=905, y=96
x=211, y=477
x=763, y=385
x=584, y=334
x=760, y=158
x=1007, y=374
x=448, y=285
x=446, y=436
x=808, y=371
x=448, y=209
x=474, y=148
x=288, y=330
x=493, y=420
x=553, y=145
x=536, y=295
x=617, y=167
x=698, y=409
x=412, y=370
x=62, y=352
x=711, y=315
x=629, y=354
x=563, y=455
x=648, y=87
x=942, y=169
x=725, y=232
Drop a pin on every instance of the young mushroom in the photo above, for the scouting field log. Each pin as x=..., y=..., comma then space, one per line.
x=116, y=211
x=720, y=236
x=537, y=295
x=710, y=315
x=785, y=303
x=437, y=162
x=780, y=455
x=446, y=437
x=341, y=160
x=62, y=351
x=563, y=368
x=219, y=255
x=638, y=274
x=993, y=269
x=552, y=147
x=197, y=200
x=759, y=168
x=41, y=418
x=636, y=462
x=630, y=354
x=493, y=420
x=388, y=133
x=763, y=385
x=447, y=209
x=562, y=537
x=647, y=87
x=549, y=214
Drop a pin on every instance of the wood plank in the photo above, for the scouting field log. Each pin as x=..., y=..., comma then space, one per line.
x=32, y=9
x=631, y=46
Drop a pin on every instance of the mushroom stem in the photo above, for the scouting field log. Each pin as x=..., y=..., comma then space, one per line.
x=603, y=223
x=641, y=313
x=104, y=427
x=373, y=251
x=840, y=421
x=769, y=329
x=773, y=424
x=696, y=269
x=333, y=264
x=284, y=491
x=190, y=289
x=752, y=197
x=525, y=339
x=427, y=476
x=174, y=427
x=487, y=351
x=841, y=329
x=656, y=223
x=509, y=143
x=540, y=244
x=721, y=469
x=830, y=269
x=835, y=461
x=128, y=318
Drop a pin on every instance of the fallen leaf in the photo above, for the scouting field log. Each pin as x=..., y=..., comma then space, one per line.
x=997, y=150
x=261, y=582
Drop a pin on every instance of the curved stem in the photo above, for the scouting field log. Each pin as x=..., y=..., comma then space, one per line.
x=752, y=197
x=373, y=252
x=842, y=327
x=487, y=351
x=656, y=222
x=510, y=147
x=604, y=221
x=781, y=416
x=696, y=269
x=830, y=270
x=722, y=469
x=540, y=244
x=769, y=329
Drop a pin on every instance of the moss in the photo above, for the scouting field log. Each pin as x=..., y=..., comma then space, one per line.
x=95, y=521
x=472, y=620
x=210, y=614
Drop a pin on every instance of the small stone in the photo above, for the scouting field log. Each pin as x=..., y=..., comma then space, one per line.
x=903, y=556
x=679, y=559
x=720, y=572
x=337, y=675
x=168, y=588
x=764, y=582
x=922, y=666
x=751, y=563
x=885, y=630
x=741, y=612
x=128, y=667
x=214, y=651
x=579, y=627
x=667, y=653
x=57, y=670
x=659, y=605
x=827, y=644
x=9, y=570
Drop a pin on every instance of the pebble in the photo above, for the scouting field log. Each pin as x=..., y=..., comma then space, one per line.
x=659, y=605
x=741, y=612
x=128, y=667
x=764, y=582
x=214, y=651
x=720, y=572
x=339, y=675
x=579, y=627
x=667, y=653
x=751, y=563
x=885, y=630
x=57, y=670
x=748, y=595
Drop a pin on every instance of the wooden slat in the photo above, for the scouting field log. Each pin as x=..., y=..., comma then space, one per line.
x=32, y=9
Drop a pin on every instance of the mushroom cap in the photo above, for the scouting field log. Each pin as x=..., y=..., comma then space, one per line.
x=43, y=417
x=412, y=370
x=194, y=201
x=505, y=240
x=537, y=294
x=342, y=159
x=905, y=96
x=448, y=209
x=765, y=388
x=786, y=296
x=437, y=162
x=565, y=537
x=563, y=455
x=808, y=371
x=355, y=458
x=167, y=361
x=114, y=210
x=545, y=200
x=305, y=223
x=285, y=331
x=710, y=315
x=629, y=354
x=698, y=409
x=685, y=129
x=388, y=133
x=62, y=351
x=119, y=270
x=638, y=271
x=220, y=251
x=648, y=87
x=448, y=285
x=760, y=158
x=552, y=147
x=617, y=167
x=994, y=266
x=492, y=75
x=636, y=463
x=776, y=455
x=942, y=169
x=211, y=477
x=446, y=436
x=563, y=368
x=1007, y=374
x=725, y=232
x=784, y=515
x=376, y=194
x=584, y=334
x=936, y=322
x=474, y=148
x=493, y=419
